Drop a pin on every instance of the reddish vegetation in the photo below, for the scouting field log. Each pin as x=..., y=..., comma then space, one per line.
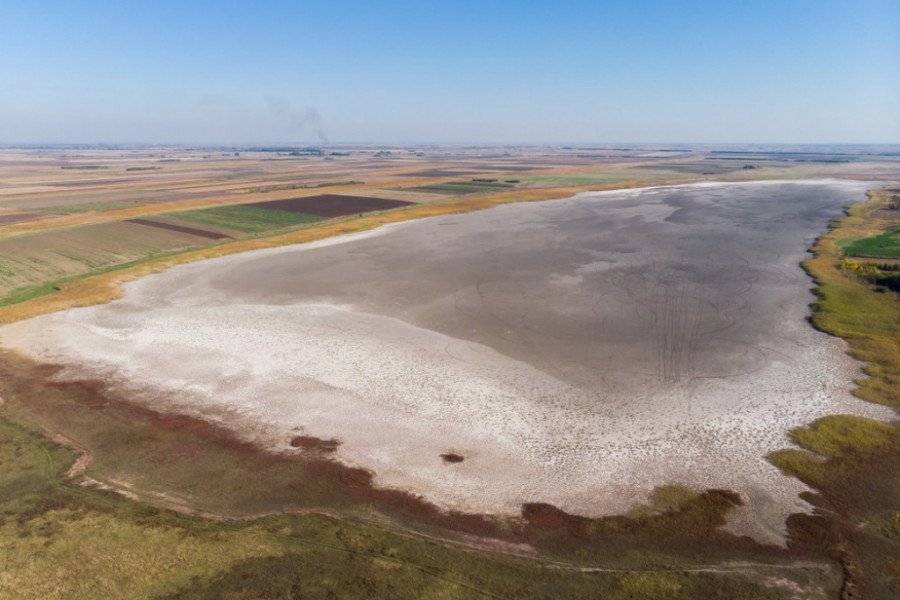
x=181, y=450
x=547, y=516
x=308, y=442
x=886, y=214
x=828, y=532
x=331, y=205
x=185, y=456
x=212, y=235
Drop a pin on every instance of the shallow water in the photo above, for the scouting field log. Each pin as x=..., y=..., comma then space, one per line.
x=577, y=351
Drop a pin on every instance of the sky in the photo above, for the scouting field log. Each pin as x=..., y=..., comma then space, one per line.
x=341, y=71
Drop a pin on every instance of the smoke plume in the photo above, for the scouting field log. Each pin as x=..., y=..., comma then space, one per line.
x=304, y=121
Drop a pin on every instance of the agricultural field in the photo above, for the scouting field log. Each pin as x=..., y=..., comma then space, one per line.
x=243, y=218
x=885, y=244
x=87, y=207
x=51, y=256
x=330, y=205
x=462, y=187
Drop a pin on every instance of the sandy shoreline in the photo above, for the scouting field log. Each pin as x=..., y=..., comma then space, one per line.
x=582, y=381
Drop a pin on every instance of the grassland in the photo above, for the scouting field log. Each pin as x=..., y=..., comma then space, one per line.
x=854, y=463
x=884, y=244
x=61, y=541
x=459, y=187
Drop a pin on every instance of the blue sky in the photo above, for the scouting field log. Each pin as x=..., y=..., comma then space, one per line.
x=804, y=71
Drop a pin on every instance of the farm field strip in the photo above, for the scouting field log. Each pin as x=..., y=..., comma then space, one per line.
x=331, y=205
x=87, y=207
x=243, y=218
x=884, y=244
x=53, y=255
x=204, y=233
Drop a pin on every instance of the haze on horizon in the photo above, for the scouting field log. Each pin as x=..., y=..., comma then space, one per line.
x=806, y=71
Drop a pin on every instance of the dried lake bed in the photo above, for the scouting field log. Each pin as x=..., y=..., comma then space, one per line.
x=578, y=352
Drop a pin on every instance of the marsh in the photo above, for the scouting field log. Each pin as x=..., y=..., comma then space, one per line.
x=578, y=352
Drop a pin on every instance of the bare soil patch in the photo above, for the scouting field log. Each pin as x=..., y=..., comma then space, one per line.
x=892, y=215
x=212, y=235
x=332, y=205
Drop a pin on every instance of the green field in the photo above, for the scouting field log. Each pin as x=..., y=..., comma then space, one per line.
x=883, y=245
x=248, y=219
x=462, y=187
x=578, y=178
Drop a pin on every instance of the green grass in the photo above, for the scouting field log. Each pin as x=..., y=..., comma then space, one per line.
x=248, y=219
x=23, y=294
x=885, y=244
x=462, y=187
x=841, y=436
x=88, y=207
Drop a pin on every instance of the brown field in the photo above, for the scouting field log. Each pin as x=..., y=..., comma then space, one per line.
x=892, y=215
x=181, y=228
x=406, y=195
x=331, y=205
